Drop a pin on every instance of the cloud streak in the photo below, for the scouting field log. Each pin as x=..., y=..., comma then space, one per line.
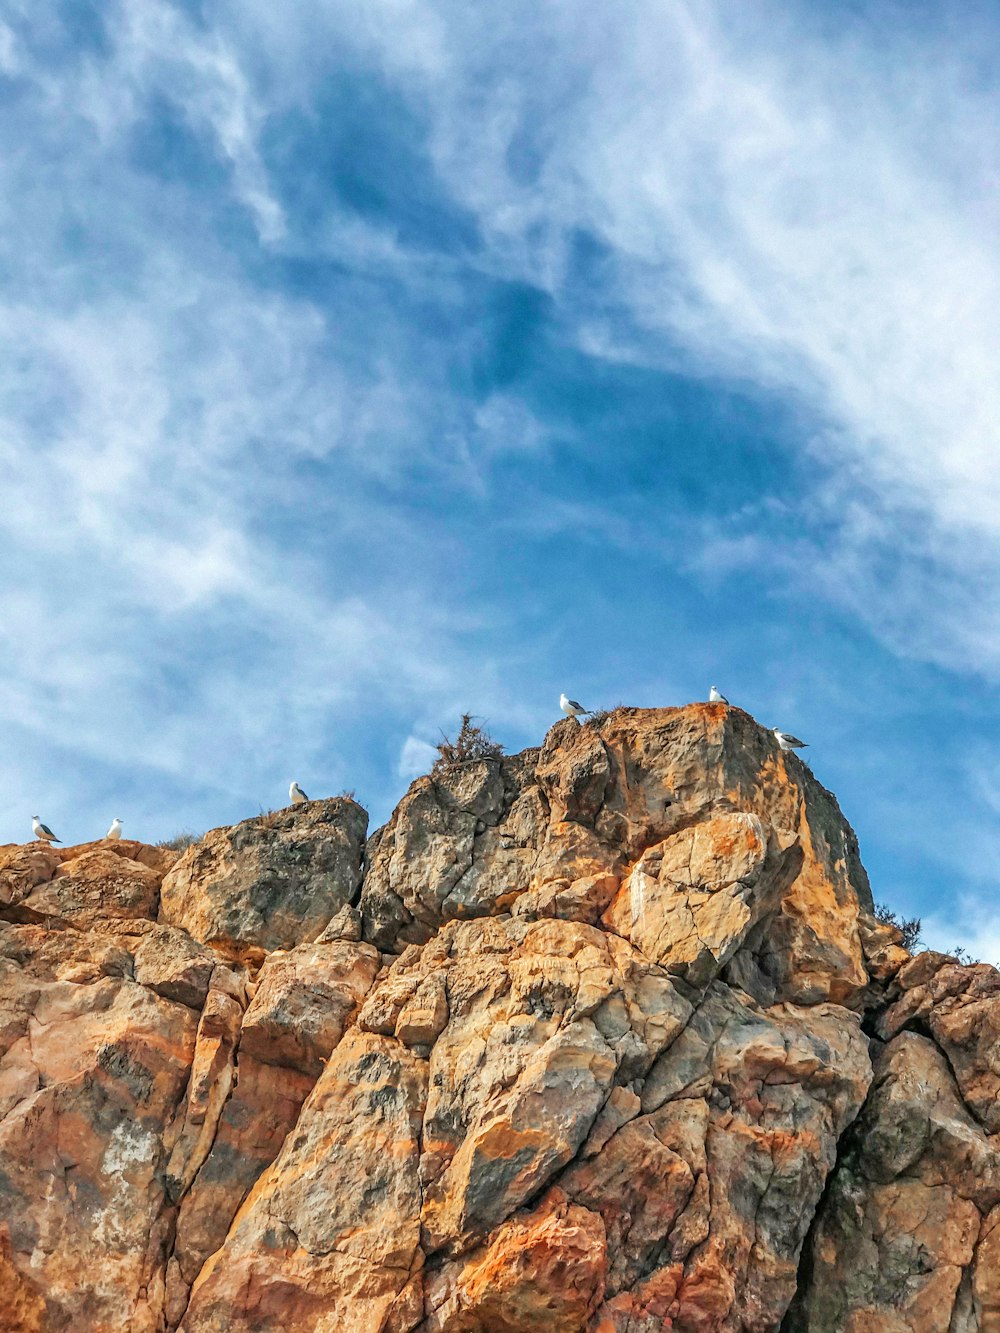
x=807, y=212
x=354, y=363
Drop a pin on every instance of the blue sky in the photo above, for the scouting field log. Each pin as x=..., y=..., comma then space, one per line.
x=367, y=363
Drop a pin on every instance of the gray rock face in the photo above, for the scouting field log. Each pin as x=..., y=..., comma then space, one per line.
x=271, y=882
x=459, y=845
x=907, y=1235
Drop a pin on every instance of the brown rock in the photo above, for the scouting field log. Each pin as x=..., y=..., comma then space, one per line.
x=882, y=945
x=95, y=885
x=208, y=1088
x=583, y=899
x=22, y=868
x=23, y=1307
x=90, y=1089
x=172, y=964
x=343, y=925
x=262, y=1109
x=961, y=1008
x=460, y=844
x=271, y=882
x=329, y=1237
x=708, y=1195
x=44, y=953
x=542, y=1272
x=609, y=1075
x=904, y=1241
x=560, y=824
x=424, y=1016
x=691, y=900
x=303, y=1002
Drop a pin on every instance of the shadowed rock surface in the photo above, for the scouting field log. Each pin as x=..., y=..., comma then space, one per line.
x=598, y=1038
x=271, y=882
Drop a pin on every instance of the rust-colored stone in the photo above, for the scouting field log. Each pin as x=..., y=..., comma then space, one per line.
x=609, y=1074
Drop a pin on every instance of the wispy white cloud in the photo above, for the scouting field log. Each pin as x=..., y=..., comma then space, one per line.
x=970, y=925
x=415, y=757
x=805, y=216
x=156, y=404
x=808, y=214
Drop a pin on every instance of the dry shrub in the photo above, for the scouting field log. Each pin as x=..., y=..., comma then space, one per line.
x=472, y=743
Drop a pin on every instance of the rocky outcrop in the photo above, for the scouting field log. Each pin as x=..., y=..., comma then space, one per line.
x=270, y=883
x=908, y=1237
x=602, y=1037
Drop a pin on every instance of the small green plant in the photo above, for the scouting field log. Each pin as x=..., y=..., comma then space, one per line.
x=179, y=841
x=909, y=929
x=472, y=742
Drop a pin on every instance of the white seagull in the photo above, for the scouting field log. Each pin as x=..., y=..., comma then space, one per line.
x=570, y=707
x=42, y=831
x=787, y=742
x=115, y=831
x=297, y=795
x=715, y=697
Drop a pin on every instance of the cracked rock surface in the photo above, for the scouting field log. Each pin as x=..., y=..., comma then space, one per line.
x=597, y=1038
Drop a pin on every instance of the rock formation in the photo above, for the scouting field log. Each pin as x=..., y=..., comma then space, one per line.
x=600, y=1037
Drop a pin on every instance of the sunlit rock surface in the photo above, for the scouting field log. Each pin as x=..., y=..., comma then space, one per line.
x=602, y=1037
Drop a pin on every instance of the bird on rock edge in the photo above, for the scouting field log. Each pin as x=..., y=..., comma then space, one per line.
x=571, y=708
x=42, y=831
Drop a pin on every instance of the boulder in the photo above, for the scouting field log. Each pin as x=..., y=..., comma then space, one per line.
x=269, y=883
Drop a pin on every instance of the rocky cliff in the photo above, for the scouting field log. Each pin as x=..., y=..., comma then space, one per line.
x=602, y=1036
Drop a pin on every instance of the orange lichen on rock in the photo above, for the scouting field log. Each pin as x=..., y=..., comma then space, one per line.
x=579, y=1042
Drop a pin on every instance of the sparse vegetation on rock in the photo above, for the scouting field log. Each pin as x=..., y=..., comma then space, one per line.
x=909, y=928
x=472, y=742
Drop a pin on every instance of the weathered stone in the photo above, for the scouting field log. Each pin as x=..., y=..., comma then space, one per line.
x=543, y=1272
x=882, y=945
x=172, y=964
x=544, y=1021
x=271, y=882
x=961, y=1008
x=424, y=1015
x=901, y=1243
x=208, y=1088
x=329, y=1237
x=304, y=1000
x=558, y=825
x=583, y=899
x=89, y=1096
x=262, y=1109
x=709, y=1194
x=98, y=884
x=604, y=1077
x=691, y=900
x=23, y=1305
x=459, y=844
x=343, y=925
x=21, y=868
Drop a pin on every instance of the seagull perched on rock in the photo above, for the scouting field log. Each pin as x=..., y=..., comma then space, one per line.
x=297, y=795
x=571, y=708
x=787, y=742
x=714, y=697
x=115, y=831
x=42, y=831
